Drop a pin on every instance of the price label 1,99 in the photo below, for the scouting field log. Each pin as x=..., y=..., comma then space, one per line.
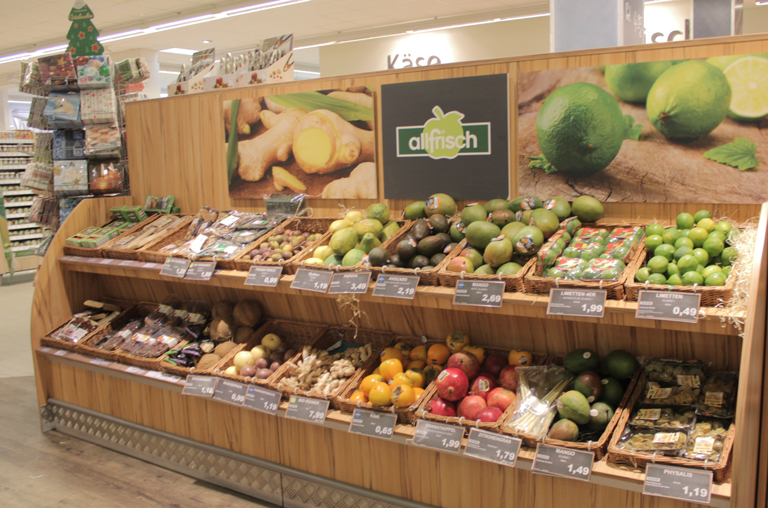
x=307, y=409
x=678, y=483
x=577, y=302
x=230, y=391
x=493, y=447
x=396, y=286
x=312, y=280
x=479, y=293
x=372, y=423
x=563, y=462
x=668, y=306
x=438, y=436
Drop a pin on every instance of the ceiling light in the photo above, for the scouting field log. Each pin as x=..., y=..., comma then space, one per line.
x=206, y=42
x=761, y=3
x=307, y=72
x=179, y=51
x=169, y=72
x=497, y=20
x=316, y=45
x=120, y=36
x=182, y=23
x=260, y=7
x=19, y=102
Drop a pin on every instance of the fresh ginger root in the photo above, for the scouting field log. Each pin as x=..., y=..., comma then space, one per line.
x=360, y=99
x=273, y=106
x=284, y=179
x=248, y=114
x=324, y=142
x=361, y=184
x=260, y=153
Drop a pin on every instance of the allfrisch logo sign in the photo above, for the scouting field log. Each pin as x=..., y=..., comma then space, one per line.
x=446, y=135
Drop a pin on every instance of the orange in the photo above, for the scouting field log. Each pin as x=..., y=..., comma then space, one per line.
x=519, y=357
x=358, y=396
x=405, y=348
x=415, y=364
x=477, y=351
x=380, y=394
x=438, y=354
x=369, y=381
x=419, y=353
x=401, y=379
x=418, y=392
x=389, y=368
x=403, y=395
x=416, y=376
x=431, y=372
x=457, y=341
x=391, y=352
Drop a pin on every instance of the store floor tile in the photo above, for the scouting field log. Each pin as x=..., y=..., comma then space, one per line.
x=15, y=311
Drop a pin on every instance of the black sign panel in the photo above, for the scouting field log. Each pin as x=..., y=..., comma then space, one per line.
x=563, y=462
x=261, y=399
x=481, y=294
x=200, y=270
x=668, y=306
x=230, y=391
x=349, y=283
x=493, y=447
x=312, y=280
x=396, y=286
x=678, y=483
x=438, y=436
x=267, y=276
x=577, y=302
x=372, y=423
x=306, y=409
x=175, y=267
x=200, y=386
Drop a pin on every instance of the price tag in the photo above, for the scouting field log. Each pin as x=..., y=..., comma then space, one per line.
x=438, y=436
x=100, y=362
x=493, y=447
x=200, y=386
x=396, y=286
x=481, y=294
x=136, y=370
x=127, y=263
x=267, y=276
x=60, y=352
x=306, y=409
x=668, y=306
x=230, y=391
x=563, y=462
x=349, y=283
x=175, y=267
x=577, y=302
x=312, y=280
x=45, y=350
x=162, y=376
x=372, y=424
x=200, y=271
x=150, y=265
x=106, y=262
x=678, y=483
x=261, y=399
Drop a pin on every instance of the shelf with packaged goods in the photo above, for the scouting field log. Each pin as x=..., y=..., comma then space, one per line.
x=17, y=227
x=12, y=167
x=17, y=141
x=34, y=236
x=17, y=216
x=17, y=204
x=10, y=181
x=22, y=192
x=22, y=248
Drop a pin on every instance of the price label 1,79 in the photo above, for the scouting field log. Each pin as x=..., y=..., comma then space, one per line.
x=493, y=447
x=200, y=386
x=563, y=462
x=577, y=302
x=312, y=280
x=479, y=293
x=372, y=423
x=266, y=276
x=678, y=483
x=175, y=267
x=307, y=409
x=230, y=391
x=668, y=306
x=438, y=436
x=261, y=399
x=396, y=286
x=349, y=283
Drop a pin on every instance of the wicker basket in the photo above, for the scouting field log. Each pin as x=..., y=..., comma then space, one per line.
x=431, y=393
x=48, y=341
x=88, y=346
x=97, y=252
x=512, y=283
x=405, y=414
x=294, y=334
x=302, y=224
x=377, y=339
x=108, y=251
x=721, y=469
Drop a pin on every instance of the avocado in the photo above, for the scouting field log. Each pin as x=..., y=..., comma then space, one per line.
x=573, y=406
x=378, y=257
x=418, y=262
x=446, y=238
x=431, y=245
x=420, y=229
x=414, y=211
x=613, y=392
x=581, y=360
x=437, y=258
x=406, y=249
x=395, y=260
x=439, y=223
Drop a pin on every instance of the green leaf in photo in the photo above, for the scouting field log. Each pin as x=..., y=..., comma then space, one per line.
x=541, y=162
x=740, y=154
x=232, y=141
x=311, y=101
x=633, y=129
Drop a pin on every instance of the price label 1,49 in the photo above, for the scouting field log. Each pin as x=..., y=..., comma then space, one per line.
x=175, y=267
x=312, y=280
x=438, y=436
x=372, y=423
x=261, y=399
x=349, y=283
x=577, y=302
x=200, y=386
x=230, y=391
x=493, y=447
x=668, y=306
x=481, y=294
x=678, y=483
x=396, y=286
x=266, y=276
x=307, y=409
x=563, y=462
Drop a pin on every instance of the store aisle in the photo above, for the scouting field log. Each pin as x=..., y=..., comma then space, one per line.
x=15, y=310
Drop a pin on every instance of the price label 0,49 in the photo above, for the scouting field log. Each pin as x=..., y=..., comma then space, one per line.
x=230, y=391
x=201, y=386
x=306, y=409
x=261, y=399
x=668, y=306
x=563, y=462
x=493, y=447
x=372, y=424
x=678, y=483
x=576, y=302
x=266, y=276
x=481, y=294
x=438, y=436
x=175, y=267
x=312, y=280
x=396, y=286
x=349, y=283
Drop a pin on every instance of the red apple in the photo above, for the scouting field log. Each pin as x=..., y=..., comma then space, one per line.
x=489, y=414
x=465, y=362
x=470, y=406
x=452, y=384
x=493, y=364
x=500, y=398
x=441, y=407
x=508, y=378
x=482, y=385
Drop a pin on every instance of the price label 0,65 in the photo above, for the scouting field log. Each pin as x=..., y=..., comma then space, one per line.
x=261, y=399
x=306, y=409
x=678, y=483
x=175, y=267
x=493, y=447
x=668, y=306
x=266, y=276
x=349, y=283
x=438, y=436
x=372, y=424
x=312, y=280
x=481, y=294
x=563, y=462
x=396, y=286
x=200, y=386
x=576, y=302
x=230, y=391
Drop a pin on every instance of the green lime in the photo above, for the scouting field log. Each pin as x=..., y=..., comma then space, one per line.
x=642, y=274
x=691, y=278
x=727, y=270
x=672, y=269
x=658, y=264
x=682, y=251
x=580, y=128
x=748, y=78
x=684, y=242
x=689, y=100
x=671, y=235
x=707, y=224
x=702, y=214
x=715, y=279
x=665, y=250
x=685, y=221
x=675, y=280
x=728, y=256
x=701, y=256
x=653, y=241
x=657, y=278
x=716, y=234
x=654, y=229
x=710, y=270
x=724, y=226
x=713, y=246
x=698, y=235
x=700, y=268
x=687, y=263
x=733, y=235
x=684, y=232
x=631, y=82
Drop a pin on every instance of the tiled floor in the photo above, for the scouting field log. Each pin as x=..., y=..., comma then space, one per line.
x=15, y=309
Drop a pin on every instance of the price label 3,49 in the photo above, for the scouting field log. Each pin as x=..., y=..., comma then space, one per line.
x=438, y=436
x=668, y=306
x=349, y=283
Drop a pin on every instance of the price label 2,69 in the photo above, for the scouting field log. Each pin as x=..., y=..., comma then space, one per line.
x=493, y=447
x=480, y=293
x=678, y=483
x=312, y=280
x=668, y=306
x=230, y=391
x=577, y=302
x=307, y=409
x=438, y=436
x=372, y=423
x=261, y=399
x=396, y=286
x=563, y=462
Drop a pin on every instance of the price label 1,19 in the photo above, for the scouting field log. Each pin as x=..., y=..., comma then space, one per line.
x=668, y=306
x=230, y=391
x=261, y=399
x=312, y=280
x=175, y=267
x=563, y=462
x=200, y=270
x=438, y=436
x=678, y=483
x=372, y=423
x=481, y=294
x=577, y=302
x=200, y=386
x=349, y=283
x=493, y=447
x=266, y=276
x=307, y=409
x=396, y=286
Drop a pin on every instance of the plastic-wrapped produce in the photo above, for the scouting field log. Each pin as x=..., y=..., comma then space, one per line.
x=655, y=394
x=603, y=269
x=718, y=396
x=675, y=372
x=649, y=441
x=706, y=441
x=667, y=418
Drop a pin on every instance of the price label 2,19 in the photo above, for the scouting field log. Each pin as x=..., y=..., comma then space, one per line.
x=481, y=294
x=577, y=302
x=349, y=283
x=312, y=280
x=230, y=391
x=266, y=276
x=668, y=306
x=396, y=286
x=438, y=436
x=678, y=483
x=563, y=462
x=200, y=386
x=493, y=447
x=307, y=409
x=261, y=399
x=372, y=423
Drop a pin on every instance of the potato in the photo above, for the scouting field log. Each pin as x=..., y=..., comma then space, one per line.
x=263, y=373
x=247, y=313
x=223, y=348
x=208, y=361
x=248, y=371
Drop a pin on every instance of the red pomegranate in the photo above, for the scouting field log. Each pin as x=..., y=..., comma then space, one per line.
x=465, y=362
x=441, y=407
x=482, y=385
x=493, y=364
x=508, y=378
x=470, y=406
x=500, y=398
x=489, y=414
x=452, y=384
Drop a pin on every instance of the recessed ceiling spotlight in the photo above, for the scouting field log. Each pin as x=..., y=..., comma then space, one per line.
x=207, y=42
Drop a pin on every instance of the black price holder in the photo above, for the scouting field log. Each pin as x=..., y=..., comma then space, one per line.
x=175, y=267
x=668, y=306
x=372, y=423
x=261, y=399
x=396, y=286
x=678, y=483
x=307, y=409
x=577, y=302
x=493, y=447
x=266, y=276
x=312, y=280
x=349, y=283
x=200, y=386
x=200, y=270
x=563, y=462
x=230, y=391
x=479, y=293
x=438, y=436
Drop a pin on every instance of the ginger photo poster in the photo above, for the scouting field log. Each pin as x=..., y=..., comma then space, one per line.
x=317, y=143
x=681, y=131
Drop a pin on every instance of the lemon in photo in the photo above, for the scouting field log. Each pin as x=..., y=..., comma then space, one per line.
x=748, y=78
x=632, y=82
x=685, y=221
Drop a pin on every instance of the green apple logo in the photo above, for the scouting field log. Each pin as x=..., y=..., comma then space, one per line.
x=443, y=136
